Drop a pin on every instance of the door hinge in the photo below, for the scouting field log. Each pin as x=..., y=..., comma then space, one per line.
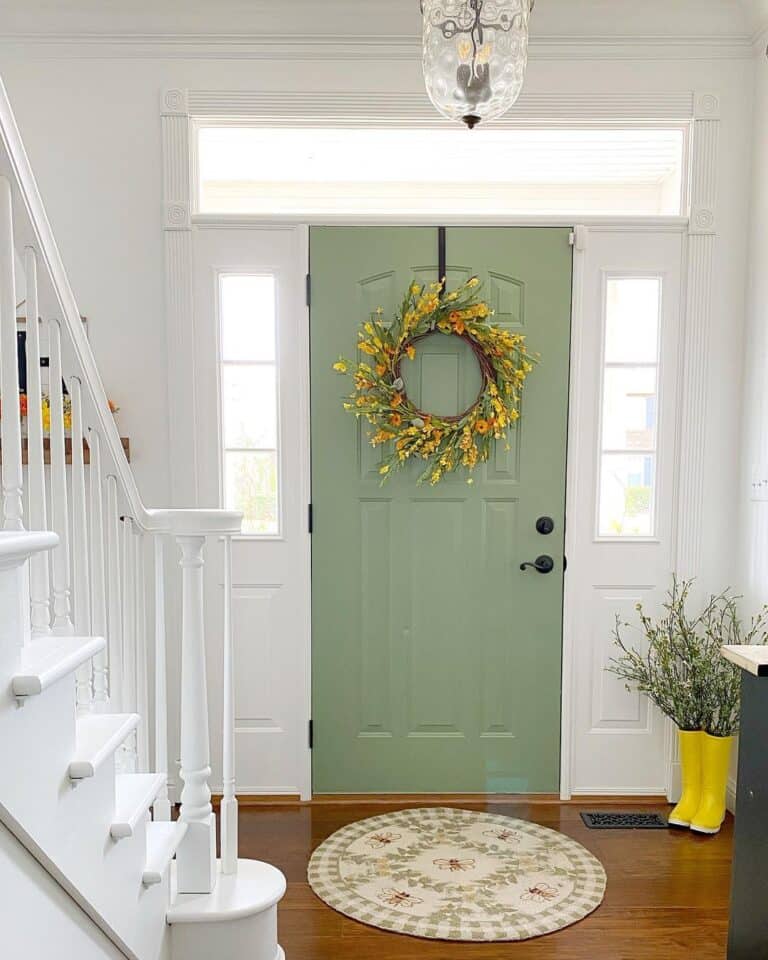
x=310, y=518
x=311, y=735
x=309, y=289
x=578, y=238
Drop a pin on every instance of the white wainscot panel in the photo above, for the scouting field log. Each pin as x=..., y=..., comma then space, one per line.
x=256, y=693
x=614, y=708
x=265, y=738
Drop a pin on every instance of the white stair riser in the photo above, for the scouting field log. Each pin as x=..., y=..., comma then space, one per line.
x=71, y=822
x=36, y=746
x=252, y=938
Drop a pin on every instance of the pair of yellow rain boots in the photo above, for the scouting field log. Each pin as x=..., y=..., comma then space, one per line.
x=705, y=764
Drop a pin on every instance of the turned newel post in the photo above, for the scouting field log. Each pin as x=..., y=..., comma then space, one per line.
x=196, y=858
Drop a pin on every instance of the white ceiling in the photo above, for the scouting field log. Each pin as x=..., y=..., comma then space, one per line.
x=553, y=18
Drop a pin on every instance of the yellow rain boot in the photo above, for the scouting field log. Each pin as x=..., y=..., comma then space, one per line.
x=690, y=760
x=715, y=764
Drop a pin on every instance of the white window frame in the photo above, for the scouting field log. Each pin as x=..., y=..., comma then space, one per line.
x=658, y=451
x=684, y=125
x=250, y=271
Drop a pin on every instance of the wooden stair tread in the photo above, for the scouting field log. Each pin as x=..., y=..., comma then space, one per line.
x=134, y=795
x=48, y=659
x=254, y=888
x=97, y=738
x=163, y=840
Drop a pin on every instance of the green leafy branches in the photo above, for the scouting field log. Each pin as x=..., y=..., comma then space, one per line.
x=679, y=666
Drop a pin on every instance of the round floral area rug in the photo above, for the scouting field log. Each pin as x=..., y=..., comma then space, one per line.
x=451, y=874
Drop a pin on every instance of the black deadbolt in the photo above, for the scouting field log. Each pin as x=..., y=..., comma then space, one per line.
x=545, y=526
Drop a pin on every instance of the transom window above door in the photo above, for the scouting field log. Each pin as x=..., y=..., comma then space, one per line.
x=312, y=172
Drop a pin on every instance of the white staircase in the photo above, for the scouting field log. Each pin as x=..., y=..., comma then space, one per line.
x=83, y=611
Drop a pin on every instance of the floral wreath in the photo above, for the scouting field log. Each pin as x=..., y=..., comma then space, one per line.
x=446, y=442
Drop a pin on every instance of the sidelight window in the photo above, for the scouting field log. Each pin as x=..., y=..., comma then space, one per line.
x=249, y=385
x=630, y=407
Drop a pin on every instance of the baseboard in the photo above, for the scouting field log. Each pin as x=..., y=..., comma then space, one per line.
x=490, y=799
x=730, y=795
x=260, y=799
x=675, y=781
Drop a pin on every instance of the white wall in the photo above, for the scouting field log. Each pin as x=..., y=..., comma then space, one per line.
x=336, y=18
x=46, y=922
x=754, y=515
x=92, y=130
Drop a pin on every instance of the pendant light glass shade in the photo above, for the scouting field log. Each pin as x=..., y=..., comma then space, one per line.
x=475, y=56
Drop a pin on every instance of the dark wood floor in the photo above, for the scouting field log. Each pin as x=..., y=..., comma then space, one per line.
x=667, y=896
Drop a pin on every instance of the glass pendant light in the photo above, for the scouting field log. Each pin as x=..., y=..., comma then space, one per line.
x=475, y=56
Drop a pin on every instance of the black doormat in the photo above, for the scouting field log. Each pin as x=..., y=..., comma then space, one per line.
x=624, y=821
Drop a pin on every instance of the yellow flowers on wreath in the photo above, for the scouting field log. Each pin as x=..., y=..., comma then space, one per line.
x=446, y=443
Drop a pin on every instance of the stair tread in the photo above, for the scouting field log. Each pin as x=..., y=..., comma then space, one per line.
x=97, y=738
x=163, y=840
x=134, y=795
x=18, y=545
x=254, y=888
x=47, y=659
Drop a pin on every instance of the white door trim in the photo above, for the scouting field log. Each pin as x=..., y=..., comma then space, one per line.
x=180, y=109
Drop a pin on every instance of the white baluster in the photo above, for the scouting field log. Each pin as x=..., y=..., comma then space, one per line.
x=129, y=636
x=229, y=832
x=62, y=610
x=162, y=806
x=10, y=423
x=80, y=566
x=142, y=690
x=196, y=858
x=98, y=581
x=39, y=585
x=114, y=597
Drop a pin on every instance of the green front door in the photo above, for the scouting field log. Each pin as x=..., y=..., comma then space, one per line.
x=436, y=661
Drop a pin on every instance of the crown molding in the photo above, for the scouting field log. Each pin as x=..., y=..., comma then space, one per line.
x=333, y=47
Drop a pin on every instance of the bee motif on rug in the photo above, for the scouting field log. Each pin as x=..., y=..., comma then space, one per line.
x=454, y=865
x=399, y=898
x=379, y=840
x=541, y=893
x=506, y=836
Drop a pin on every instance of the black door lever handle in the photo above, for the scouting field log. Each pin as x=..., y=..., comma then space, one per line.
x=543, y=564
